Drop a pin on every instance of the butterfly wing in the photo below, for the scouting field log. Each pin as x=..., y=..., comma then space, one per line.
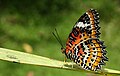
x=83, y=45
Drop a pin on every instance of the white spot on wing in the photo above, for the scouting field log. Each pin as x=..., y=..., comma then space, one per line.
x=79, y=24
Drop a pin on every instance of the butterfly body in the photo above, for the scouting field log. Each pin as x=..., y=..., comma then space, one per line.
x=83, y=45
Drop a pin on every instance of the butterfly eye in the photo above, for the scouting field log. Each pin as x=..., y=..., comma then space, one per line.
x=63, y=50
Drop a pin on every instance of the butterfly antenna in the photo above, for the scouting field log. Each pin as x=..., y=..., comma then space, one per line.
x=57, y=37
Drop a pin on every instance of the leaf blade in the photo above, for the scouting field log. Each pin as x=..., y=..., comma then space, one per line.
x=26, y=58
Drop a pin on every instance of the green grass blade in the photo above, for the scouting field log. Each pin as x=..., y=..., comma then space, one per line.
x=20, y=57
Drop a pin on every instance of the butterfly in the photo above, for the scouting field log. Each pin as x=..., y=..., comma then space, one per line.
x=83, y=45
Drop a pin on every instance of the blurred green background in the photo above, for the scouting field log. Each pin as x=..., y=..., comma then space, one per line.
x=27, y=26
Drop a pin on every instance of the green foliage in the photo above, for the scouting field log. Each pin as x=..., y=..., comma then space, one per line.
x=33, y=21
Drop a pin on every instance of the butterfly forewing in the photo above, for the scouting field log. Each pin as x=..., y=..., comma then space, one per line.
x=83, y=45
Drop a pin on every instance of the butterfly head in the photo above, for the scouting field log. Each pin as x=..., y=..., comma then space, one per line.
x=62, y=50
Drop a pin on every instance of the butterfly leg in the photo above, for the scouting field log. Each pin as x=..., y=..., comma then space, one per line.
x=72, y=64
x=65, y=59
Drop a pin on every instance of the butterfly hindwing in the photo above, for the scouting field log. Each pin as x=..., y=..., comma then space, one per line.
x=83, y=45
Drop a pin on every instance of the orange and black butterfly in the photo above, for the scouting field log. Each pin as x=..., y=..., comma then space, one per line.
x=83, y=45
